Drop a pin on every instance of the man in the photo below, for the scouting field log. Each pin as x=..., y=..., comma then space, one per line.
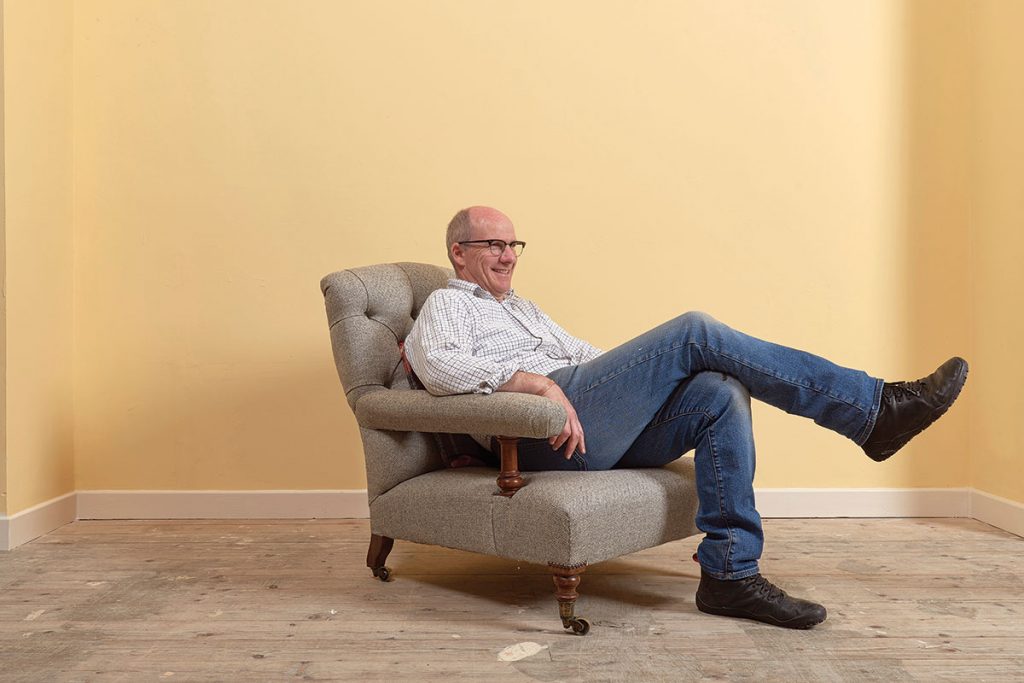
x=683, y=385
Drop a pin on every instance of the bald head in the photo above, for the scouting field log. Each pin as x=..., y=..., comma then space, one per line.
x=475, y=220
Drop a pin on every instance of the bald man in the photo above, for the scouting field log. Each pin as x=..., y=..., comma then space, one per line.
x=685, y=385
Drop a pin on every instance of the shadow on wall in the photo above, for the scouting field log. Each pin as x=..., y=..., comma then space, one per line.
x=937, y=164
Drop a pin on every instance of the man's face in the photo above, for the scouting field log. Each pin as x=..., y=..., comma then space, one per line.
x=476, y=263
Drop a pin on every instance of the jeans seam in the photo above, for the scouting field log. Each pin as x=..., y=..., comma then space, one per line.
x=721, y=501
x=580, y=462
x=705, y=345
x=872, y=418
x=781, y=378
x=676, y=416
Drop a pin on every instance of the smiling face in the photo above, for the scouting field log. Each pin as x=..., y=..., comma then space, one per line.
x=475, y=262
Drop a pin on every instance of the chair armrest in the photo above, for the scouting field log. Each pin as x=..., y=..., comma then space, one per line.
x=503, y=413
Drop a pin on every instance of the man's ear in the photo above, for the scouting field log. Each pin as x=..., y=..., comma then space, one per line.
x=458, y=256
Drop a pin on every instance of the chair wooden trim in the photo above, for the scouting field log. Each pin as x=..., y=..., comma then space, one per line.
x=509, y=480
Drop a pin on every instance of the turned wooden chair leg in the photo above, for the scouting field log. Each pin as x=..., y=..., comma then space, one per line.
x=566, y=581
x=509, y=479
x=380, y=546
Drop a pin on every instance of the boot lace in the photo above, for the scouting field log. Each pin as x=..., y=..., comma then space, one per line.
x=903, y=391
x=768, y=590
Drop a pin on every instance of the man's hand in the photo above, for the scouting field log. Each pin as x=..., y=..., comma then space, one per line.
x=572, y=433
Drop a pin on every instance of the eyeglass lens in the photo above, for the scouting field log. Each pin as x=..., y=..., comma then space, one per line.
x=498, y=247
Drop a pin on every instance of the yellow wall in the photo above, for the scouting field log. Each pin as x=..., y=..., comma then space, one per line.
x=3, y=289
x=38, y=243
x=996, y=243
x=934, y=296
x=797, y=169
x=742, y=159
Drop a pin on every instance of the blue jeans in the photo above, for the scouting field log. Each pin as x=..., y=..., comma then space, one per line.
x=687, y=385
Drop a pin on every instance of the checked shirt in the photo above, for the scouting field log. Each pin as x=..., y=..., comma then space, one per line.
x=466, y=341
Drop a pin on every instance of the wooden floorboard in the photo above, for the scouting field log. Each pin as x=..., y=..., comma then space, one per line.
x=908, y=599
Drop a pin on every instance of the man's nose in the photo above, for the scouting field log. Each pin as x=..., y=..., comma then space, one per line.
x=508, y=254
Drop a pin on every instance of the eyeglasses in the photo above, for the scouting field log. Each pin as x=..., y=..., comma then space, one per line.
x=498, y=246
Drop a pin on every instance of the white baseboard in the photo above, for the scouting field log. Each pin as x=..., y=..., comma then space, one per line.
x=36, y=521
x=863, y=502
x=985, y=507
x=999, y=512
x=340, y=504
x=352, y=504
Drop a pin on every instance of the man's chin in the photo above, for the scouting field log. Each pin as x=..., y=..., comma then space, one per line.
x=499, y=289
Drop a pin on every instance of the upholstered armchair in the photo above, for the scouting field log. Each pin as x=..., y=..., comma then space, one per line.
x=565, y=520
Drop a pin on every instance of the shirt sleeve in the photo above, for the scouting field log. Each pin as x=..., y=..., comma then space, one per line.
x=440, y=350
x=579, y=350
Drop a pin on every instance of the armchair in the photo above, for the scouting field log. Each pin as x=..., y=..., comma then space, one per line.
x=566, y=520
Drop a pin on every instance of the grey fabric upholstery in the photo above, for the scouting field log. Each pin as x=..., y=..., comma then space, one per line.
x=369, y=311
x=506, y=414
x=564, y=518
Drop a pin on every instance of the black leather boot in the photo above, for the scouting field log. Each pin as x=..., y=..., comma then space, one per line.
x=909, y=407
x=757, y=598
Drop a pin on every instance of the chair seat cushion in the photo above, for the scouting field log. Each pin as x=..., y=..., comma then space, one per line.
x=564, y=518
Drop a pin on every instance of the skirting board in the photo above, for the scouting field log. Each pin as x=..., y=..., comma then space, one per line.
x=863, y=502
x=1005, y=514
x=36, y=521
x=351, y=504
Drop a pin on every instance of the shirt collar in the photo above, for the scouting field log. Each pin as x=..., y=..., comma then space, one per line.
x=476, y=290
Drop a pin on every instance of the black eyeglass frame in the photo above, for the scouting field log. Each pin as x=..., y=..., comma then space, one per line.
x=490, y=244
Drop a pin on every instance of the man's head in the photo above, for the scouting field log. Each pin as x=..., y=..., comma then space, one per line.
x=475, y=262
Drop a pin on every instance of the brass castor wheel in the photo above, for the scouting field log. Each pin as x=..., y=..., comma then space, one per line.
x=382, y=573
x=579, y=625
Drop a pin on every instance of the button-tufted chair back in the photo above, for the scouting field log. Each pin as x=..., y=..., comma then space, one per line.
x=369, y=310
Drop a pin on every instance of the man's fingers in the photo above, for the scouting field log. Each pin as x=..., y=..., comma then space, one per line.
x=576, y=443
x=577, y=429
x=570, y=447
x=571, y=436
x=558, y=441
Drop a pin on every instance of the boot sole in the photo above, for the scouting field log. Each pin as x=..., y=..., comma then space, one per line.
x=939, y=412
x=765, y=619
